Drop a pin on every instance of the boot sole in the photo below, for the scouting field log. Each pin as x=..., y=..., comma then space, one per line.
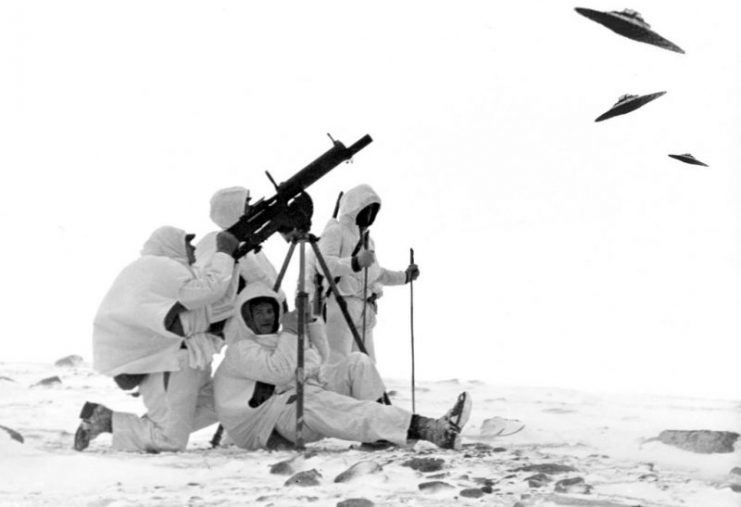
x=87, y=410
x=463, y=406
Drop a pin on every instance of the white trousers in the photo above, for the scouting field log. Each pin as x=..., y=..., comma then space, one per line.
x=339, y=335
x=346, y=408
x=178, y=403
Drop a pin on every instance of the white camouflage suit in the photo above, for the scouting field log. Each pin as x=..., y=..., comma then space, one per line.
x=130, y=336
x=227, y=207
x=338, y=243
x=339, y=399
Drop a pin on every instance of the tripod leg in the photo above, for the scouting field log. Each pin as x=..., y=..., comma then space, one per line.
x=340, y=300
x=218, y=434
x=341, y=303
x=284, y=267
x=301, y=307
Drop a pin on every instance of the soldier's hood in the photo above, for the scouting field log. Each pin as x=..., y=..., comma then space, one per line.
x=255, y=291
x=167, y=241
x=355, y=199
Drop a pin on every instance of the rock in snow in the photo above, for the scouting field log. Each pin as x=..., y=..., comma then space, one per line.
x=305, y=478
x=357, y=470
x=48, y=381
x=538, y=480
x=13, y=434
x=355, y=502
x=573, y=485
x=424, y=464
x=288, y=466
x=434, y=486
x=472, y=493
x=700, y=441
x=72, y=361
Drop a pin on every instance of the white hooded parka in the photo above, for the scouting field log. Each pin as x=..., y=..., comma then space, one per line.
x=129, y=331
x=251, y=358
x=339, y=241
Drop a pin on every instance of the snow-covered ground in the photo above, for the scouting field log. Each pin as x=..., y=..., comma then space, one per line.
x=601, y=439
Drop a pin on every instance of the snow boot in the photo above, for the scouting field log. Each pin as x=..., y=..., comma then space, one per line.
x=438, y=431
x=461, y=411
x=277, y=442
x=96, y=419
x=444, y=431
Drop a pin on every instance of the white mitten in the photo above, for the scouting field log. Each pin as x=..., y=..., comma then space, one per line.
x=201, y=349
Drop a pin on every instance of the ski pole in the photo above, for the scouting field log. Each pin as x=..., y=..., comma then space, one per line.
x=365, y=283
x=411, y=319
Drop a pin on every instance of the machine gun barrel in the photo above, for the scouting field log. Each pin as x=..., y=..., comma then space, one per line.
x=321, y=166
x=290, y=207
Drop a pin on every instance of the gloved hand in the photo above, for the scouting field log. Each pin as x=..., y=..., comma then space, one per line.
x=363, y=259
x=316, y=374
x=313, y=369
x=226, y=242
x=201, y=349
x=290, y=322
x=412, y=273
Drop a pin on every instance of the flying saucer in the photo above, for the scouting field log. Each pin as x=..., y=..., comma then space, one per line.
x=688, y=158
x=628, y=103
x=630, y=24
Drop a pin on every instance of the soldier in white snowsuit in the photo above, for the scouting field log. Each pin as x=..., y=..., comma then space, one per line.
x=227, y=207
x=255, y=387
x=151, y=331
x=341, y=245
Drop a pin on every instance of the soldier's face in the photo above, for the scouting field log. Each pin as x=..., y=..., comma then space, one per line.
x=262, y=316
x=367, y=215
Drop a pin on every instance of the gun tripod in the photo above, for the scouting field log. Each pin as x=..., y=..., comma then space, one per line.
x=301, y=238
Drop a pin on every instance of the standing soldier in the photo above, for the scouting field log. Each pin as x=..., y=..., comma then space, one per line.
x=359, y=277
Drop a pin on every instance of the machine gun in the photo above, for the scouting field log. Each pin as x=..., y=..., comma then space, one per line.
x=291, y=207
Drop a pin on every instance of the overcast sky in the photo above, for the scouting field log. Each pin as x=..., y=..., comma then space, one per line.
x=554, y=250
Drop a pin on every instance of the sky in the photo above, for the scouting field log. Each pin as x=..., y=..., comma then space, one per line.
x=553, y=250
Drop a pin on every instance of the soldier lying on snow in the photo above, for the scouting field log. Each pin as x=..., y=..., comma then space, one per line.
x=255, y=392
x=151, y=330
